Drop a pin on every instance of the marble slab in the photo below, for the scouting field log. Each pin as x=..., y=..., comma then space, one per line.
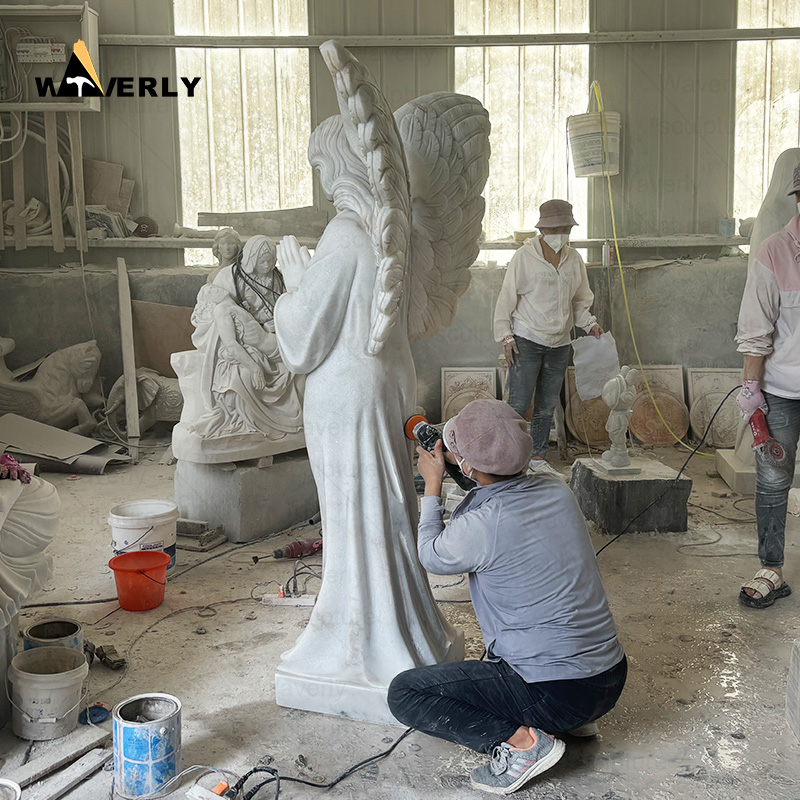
x=462, y=385
x=707, y=389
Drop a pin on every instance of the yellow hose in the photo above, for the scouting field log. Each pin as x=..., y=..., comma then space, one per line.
x=672, y=433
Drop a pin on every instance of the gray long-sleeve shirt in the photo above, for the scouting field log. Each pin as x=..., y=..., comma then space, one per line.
x=533, y=576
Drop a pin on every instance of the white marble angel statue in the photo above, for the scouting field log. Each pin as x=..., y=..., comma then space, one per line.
x=389, y=268
x=240, y=399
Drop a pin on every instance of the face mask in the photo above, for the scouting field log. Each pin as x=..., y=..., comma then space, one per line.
x=557, y=240
x=798, y=208
x=460, y=462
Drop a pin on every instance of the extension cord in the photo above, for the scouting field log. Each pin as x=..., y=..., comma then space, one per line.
x=300, y=600
x=199, y=793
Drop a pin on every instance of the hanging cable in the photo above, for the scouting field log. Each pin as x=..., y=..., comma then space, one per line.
x=596, y=87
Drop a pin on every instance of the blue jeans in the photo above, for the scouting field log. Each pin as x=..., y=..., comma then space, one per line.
x=773, y=483
x=538, y=372
x=479, y=704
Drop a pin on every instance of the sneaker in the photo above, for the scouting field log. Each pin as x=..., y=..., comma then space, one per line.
x=585, y=731
x=510, y=767
x=541, y=467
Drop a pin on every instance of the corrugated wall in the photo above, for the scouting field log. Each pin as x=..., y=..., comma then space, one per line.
x=677, y=107
x=403, y=73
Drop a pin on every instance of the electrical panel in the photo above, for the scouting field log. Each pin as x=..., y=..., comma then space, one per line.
x=37, y=43
x=41, y=52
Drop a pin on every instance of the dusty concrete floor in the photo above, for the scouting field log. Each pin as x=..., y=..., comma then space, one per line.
x=702, y=715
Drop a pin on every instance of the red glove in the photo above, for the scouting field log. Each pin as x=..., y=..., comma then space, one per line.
x=750, y=399
x=11, y=470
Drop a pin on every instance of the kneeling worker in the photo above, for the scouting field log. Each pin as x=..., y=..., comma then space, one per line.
x=553, y=659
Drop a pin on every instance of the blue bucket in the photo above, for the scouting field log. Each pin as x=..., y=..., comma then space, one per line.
x=147, y=743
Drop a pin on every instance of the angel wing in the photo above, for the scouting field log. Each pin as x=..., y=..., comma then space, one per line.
x=446, y=142
x=375, y=138
x=18, y=398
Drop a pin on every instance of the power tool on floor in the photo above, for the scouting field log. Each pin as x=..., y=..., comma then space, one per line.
x=771, y=449
x=418, y=429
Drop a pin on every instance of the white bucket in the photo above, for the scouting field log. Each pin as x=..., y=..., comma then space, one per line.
x=144, y=525
x=585, y=132
x=46, y=691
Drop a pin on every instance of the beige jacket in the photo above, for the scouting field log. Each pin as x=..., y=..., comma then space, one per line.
x=538, y=299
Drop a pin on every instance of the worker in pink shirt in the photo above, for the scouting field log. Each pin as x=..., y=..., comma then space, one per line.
x=769, y=338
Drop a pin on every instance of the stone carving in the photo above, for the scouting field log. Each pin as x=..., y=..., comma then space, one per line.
x=387, y=269
x=240, y=400
x=160, y=400
x=227, y=248
x=29, y=511
x=619, y=394
x=60, y=392
x=667, y=377
x=461, y=386
x=586, y=419
x=707, y=389
x=646, y=425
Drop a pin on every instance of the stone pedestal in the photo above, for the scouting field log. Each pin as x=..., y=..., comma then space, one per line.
x=248, y=500
x=343, y=699
x=793, y=690
x=612, y=501
x=741, y=475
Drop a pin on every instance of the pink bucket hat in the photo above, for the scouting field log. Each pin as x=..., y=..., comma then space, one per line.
x=795, y=181
x=491, y=436
x=555, y=214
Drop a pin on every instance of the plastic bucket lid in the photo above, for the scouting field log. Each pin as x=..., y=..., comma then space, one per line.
x=141, y=578
x=9, y=790
x=143, y=513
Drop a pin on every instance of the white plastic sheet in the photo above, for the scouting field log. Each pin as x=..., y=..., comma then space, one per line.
x=596, y=361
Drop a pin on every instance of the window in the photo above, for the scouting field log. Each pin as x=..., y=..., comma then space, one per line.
x=529, y=93
x=767, y=101
x=243, y=137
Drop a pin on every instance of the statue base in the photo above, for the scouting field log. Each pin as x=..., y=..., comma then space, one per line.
x=342, y=698
x=630, y=469
x=612, y=501
x=188, y=446
x=247, y=500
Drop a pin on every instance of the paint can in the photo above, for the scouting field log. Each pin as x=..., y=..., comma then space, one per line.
x=147, y=743
x=53, y=633
x=46, y=690
x=9, y=790
x=144, y=525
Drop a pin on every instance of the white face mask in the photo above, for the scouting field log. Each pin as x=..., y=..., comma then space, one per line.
x=557, y=240
x=798, y=208
x=460, y=462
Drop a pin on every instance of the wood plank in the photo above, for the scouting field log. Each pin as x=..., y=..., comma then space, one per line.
x=63, y=751
x=69, y=778
x=53, y=182
x=305, y=221
x=78, y=195
x=18, y=181
x=128, y=359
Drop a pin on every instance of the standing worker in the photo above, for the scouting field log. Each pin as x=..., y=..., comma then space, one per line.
x=769, y=338
x=544, y=294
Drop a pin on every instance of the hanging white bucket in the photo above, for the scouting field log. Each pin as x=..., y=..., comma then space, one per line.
x=591, y=156
x=144, y=525
x=46, y=691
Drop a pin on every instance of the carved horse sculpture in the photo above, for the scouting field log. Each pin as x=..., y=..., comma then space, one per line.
x=57, y=392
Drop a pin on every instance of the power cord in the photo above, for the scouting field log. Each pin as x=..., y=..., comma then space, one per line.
x=677, y=477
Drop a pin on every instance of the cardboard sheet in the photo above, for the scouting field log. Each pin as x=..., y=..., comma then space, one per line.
x=596, y=361
x=28, y=436
x=159, y=330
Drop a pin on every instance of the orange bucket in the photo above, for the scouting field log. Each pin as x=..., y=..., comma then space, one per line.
x=141, y=577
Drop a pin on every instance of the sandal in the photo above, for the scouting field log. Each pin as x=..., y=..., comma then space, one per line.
x=769, y=584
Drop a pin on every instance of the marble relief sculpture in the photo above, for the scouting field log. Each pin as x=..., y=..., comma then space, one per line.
x=240, y=400
x=388, y=269
x=618, y=394
x=61, y=391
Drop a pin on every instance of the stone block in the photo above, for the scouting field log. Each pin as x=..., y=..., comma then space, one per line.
x=741, y=477
x=793, y=690
x=612, y=501
x=248, y=501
